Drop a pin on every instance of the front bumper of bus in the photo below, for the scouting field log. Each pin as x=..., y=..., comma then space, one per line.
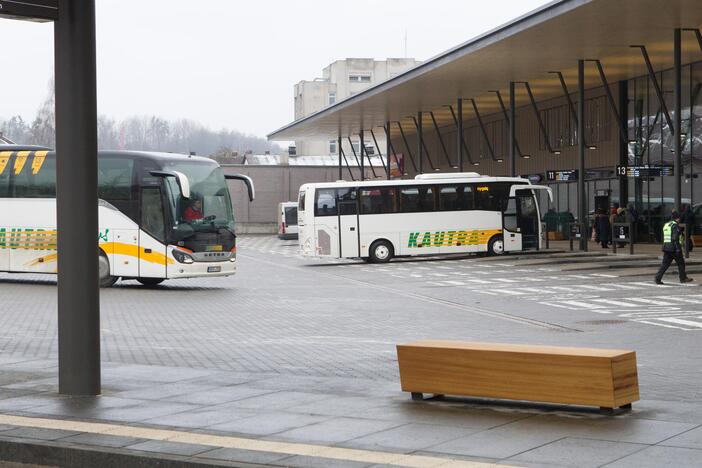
x=202, y=269
x=201, y=264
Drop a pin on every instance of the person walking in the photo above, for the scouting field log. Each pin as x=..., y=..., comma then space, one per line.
x=672, y=250
x=603, y=229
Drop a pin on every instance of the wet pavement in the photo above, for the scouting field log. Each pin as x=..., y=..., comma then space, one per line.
x=292, y=362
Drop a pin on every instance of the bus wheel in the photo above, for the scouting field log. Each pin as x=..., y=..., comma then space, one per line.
x=381, y=251
x=149, y=282
x=106, y=280
x=496, y=246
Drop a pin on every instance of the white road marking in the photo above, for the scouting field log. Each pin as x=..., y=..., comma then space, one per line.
x=614, y=302
x=648, y=301
x=680, y=321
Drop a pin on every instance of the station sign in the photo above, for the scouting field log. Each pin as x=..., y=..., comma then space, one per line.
x=645, y=171
x=30, y=10
x=562, y=176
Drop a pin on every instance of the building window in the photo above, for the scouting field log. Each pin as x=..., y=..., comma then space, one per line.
x=332, y=146
x=332, y=98
x=359, y=78
x=356, y=147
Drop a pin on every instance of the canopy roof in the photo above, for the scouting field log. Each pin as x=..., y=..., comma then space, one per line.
x=552, y=38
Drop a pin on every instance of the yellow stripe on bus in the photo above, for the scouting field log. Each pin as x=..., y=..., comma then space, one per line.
x=38, y=161
x=4, y=159
x=20, y=161
x=130, y=250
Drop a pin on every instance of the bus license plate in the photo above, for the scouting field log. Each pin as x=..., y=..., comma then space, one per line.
x=214, y=269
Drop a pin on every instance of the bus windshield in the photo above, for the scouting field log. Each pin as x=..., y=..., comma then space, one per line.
x=209, y=207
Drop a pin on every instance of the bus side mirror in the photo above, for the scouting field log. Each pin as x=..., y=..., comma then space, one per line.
x=247, y=180
x=181, y=180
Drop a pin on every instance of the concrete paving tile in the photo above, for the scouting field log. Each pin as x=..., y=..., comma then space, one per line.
x=170, y=448
x=680, y=411
x=409, y=437
x=37, y=433
x=341, y=406
x=658, y=456
x=26, y=402
x=574, y=452
x=154, y=373
x=242, y=456
x=315, y=462
x=335, y=430
x=201, y=417
x=407, y=412
x=102, y=440
x=145, y=411
x=267, y=423
x=689, y=439
x=219, y=395
x=278, y=400
x=163, y=391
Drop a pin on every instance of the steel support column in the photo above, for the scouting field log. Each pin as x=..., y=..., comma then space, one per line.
x=463, y=147
x=343, y=155
x=390, y=149
x=362, y=148
x=484, y=131
x=539, y=120
x=623, y=143
x=459, y=132
x=409, y=150
x=512, y=131
x=582, y=197
x=441, y=141
x=338, y=149
x=677, y=90
x=380, y=153
x=420, y=141
x=656, y=86
x=76, y=198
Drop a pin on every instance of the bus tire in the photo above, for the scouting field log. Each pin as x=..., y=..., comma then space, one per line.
x=381, y=251
x=150, y=282
x=496, y=246
x=106, y=280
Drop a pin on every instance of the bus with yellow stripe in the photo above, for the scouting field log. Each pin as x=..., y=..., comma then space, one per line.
x=454, y=213
x=161, y=215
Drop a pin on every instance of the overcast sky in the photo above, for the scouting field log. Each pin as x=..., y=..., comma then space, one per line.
x=232, y=63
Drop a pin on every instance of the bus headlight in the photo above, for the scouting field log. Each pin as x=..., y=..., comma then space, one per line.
x=182, y=257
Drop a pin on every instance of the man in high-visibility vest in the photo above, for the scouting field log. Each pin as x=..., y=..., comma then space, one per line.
x=672, y=249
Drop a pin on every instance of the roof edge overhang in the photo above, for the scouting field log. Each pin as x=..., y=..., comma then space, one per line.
x=517, y=25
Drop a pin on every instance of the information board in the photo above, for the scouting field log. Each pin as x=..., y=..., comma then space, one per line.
x=645, y=171
x=562, y=176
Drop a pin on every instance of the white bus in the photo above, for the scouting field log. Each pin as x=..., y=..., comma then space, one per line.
x=431, y=214
x=160, y=215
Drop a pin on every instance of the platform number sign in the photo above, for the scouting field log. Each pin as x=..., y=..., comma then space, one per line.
x=29, y=10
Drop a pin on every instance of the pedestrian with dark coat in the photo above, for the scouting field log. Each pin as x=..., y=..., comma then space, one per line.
x=672, y=249
x=603, y=229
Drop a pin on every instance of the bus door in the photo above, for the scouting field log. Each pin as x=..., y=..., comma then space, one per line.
x=521, y=221
x=349, y=235
x=326, y=223
x=152, y=248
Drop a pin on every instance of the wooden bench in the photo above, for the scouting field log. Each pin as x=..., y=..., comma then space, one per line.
x=579, y=376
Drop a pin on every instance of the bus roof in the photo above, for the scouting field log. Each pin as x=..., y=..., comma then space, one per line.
x=424, y=181
x=159, y=157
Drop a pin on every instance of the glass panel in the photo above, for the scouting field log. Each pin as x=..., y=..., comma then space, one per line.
x=510, y=216
x=301, y=202
x=291, y=216
x=416, y=199
x=378, y=200
x=34, y=180
x=456, y=198
x=325, y=204
x=347, y=201
x=152, y=212
x=115, y=179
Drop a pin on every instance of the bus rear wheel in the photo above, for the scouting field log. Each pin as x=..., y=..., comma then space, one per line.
x=496, y=246
x=381, y=252
x=106, y=280
x=150, y=282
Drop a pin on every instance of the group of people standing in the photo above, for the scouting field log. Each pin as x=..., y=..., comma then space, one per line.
x=602, y=229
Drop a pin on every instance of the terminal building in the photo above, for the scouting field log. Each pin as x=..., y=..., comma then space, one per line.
x=599, y=99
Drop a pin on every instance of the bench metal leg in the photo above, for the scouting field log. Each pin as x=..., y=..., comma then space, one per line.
x=625, y=407
x=416, y=396
x=606, y=410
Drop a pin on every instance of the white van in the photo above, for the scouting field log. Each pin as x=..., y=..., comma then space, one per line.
x=287, y=220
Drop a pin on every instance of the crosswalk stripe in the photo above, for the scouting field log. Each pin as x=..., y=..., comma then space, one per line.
x=688, y=299
x=593, y=288
x=479, y=281
x=584, y=305
x=505, y=280
x=648, y=301
x=624, y=286
x=614, y=302
x=680, y=321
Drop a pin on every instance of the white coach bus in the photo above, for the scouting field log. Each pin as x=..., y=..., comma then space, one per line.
x=431, y=214
x=160, y=215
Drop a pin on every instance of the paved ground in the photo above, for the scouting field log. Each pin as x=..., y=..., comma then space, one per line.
x=302, y=351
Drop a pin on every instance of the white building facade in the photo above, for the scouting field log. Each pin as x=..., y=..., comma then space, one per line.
x=341, y=79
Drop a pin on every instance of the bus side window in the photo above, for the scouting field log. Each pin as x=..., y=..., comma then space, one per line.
x=417, y=199
x=325, y=203
x=379, y=200
x=152, y=212
x=347, y=201
x=510, y=215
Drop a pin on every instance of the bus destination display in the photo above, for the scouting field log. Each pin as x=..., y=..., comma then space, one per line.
x=562, y=176
x=645, y=171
